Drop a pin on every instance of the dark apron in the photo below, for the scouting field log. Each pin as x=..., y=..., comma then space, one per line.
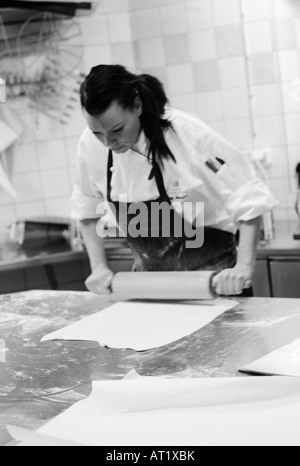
x=218, y=252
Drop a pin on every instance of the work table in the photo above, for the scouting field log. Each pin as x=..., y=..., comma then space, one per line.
x=41, y=380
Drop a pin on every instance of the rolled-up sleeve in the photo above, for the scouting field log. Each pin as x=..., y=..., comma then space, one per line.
x=85, y=196
x=244, y=194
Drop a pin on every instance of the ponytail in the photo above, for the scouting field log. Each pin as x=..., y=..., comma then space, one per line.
x=108, y=83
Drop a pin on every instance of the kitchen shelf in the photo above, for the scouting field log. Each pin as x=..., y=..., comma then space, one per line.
x=17, y=12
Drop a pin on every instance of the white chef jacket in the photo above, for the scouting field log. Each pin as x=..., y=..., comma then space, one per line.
x=232, y=195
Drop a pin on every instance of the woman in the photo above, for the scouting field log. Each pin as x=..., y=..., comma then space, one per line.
x=136, y=145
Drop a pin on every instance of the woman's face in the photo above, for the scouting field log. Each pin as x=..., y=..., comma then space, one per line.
x=117, y=128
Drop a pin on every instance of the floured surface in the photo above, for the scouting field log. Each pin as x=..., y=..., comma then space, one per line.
x=143, y=326
x=284, y=361
x=258, y=411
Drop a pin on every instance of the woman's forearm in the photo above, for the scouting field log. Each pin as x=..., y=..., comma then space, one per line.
x=248, y=242
x=94, y=244
x=233, y=281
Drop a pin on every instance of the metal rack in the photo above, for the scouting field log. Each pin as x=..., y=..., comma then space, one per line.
x=41, y=61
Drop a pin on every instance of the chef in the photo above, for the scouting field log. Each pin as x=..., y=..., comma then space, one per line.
x=137, y=149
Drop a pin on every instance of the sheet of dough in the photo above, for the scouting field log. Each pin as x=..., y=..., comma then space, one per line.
x=142, y=326
x=33, y=439
x=257, y=411
x=284, y=361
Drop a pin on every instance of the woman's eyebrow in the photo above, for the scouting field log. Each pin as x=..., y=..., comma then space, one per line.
x=116, y=126
x=112, y=129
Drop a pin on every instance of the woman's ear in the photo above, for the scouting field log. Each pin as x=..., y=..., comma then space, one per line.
x=138, y=106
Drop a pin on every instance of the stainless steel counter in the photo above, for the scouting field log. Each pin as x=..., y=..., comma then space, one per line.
x=18, y=259
x=41, y=380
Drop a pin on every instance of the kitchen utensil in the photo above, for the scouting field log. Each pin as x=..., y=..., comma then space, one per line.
x=164, y=285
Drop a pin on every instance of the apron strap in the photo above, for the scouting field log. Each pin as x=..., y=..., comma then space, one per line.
x=109, y=174
x=155, y=172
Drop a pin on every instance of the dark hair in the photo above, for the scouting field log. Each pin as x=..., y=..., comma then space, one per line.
x=108, y=83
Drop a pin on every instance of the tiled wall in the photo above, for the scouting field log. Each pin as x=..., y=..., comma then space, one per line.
x=44, y=160
x=230, y=61
x=233, y=63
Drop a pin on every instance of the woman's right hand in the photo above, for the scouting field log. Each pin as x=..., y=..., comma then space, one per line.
x=100, y=281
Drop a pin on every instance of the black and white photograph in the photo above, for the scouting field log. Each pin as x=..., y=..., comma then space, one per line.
x=150, y=226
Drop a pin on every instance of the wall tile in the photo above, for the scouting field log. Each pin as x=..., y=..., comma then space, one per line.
x=206, y=75
x=283, y=8
x=285, y=31
x=279, y=167
x=230, y=40
x=28, y=186
x=30, y=209
x=199, y=14
x=289, y=61
x=296, y=8
x=292, y=128
x=51, y=154
x=144, y=4
x=266, y=100
x=210, y=106
x=96, y=55
x=115, y=6
x=174, y=19
x=281, y=215
x=291, y=98
x=185, y=102
x=177, y=49
x=239, y=133
x=259, y=37
x=226, y=12
x=5, y=198
x=203, y=45
x=180, y=79
x=233, y=72
x=45, y=128
x=219, y=127
x=297, y=28
x=264, y=68
x=236, y=103
x=258, y=9
x=94, y=30
x=119, y=27
x=146, y=23
x=151, y=53
x=26, y=119
x=76, y=124
x=123, y=54
x=55, y=183
x=58, y=207
x=270, y=131
x=279, y=188
x=25, y=159
x=7, y=216
x=72, y=176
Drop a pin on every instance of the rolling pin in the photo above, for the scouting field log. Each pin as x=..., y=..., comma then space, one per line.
x=164, y=285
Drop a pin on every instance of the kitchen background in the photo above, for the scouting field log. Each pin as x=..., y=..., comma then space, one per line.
x=235, y=63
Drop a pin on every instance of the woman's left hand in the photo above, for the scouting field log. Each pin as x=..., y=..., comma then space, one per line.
x=232, y=282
